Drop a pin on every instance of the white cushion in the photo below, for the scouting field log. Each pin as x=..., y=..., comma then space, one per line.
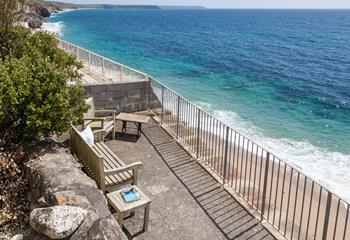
x=88, y=136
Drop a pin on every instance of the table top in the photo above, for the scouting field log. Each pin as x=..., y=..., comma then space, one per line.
x=118, y=203
x=129, y=117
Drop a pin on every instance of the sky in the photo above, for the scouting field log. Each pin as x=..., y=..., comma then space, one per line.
x=231, y=3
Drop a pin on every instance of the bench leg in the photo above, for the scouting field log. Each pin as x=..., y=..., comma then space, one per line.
x=124, y=127
x=113, y=136
x=146, y=218
x=139, y=128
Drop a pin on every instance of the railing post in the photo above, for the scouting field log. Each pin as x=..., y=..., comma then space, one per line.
x=326, y=216
x=103, y=67
x=178, y=116
x=198, y=131
x=265, y=186
x=121, y=73
x=78, y=53
x=162, y=116
x=89, y=59
x=226, y=155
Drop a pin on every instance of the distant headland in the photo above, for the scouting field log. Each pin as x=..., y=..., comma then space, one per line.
x=114, y=6
x=39, y=10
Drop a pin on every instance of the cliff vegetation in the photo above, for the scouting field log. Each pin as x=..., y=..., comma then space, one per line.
x=40, y=95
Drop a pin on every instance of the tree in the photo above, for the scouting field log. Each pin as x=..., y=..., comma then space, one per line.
x=11, y=15
x=40, y=86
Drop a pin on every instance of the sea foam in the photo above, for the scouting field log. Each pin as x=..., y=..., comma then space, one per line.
x=330, y=169
x=54, y=27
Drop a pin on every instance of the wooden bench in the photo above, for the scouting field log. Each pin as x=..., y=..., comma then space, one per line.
x=99, y=123
x=102, y=164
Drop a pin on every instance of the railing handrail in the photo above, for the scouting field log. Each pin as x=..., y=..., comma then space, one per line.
x=112, y=61
x=296, y=168
x=224, y=125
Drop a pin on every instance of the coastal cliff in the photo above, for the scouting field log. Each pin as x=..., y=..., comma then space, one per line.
x=36, y=13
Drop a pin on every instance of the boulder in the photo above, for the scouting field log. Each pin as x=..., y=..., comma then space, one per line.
x=105, y=229
x=18, y=237
x=57, y=222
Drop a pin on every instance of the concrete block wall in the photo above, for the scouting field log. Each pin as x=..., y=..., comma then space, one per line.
x=123, y=96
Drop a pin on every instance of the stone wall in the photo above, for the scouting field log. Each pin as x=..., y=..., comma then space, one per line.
x=59, y=187
x=123, y=97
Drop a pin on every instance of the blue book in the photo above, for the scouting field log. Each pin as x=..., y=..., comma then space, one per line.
x=130, y=195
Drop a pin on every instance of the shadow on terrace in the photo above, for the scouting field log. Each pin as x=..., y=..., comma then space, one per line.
x=187, y=202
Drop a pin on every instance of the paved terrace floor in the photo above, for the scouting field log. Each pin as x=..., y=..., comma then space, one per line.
x=188, y=203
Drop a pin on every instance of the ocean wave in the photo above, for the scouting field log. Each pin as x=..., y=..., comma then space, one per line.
x=330, y=169
x=54, y=27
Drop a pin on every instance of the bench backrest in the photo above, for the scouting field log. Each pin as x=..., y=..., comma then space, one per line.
x=91, y=112
x=92, y=161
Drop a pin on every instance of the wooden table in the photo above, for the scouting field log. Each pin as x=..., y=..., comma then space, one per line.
x=116, y=200
x=134, y=118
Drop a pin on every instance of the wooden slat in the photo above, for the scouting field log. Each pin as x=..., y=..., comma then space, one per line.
x=88, y=156
x=129, y=117
x=112, y=161
x=97, y=160
x=111, y=180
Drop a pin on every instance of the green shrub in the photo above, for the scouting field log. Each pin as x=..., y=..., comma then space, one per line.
x=40, y=88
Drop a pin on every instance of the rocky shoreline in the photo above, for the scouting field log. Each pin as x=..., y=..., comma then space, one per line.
x=36, y=14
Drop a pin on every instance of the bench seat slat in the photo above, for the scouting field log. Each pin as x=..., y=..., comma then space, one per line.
x=108, y=179
x=111, y=161
x=113, y=179
x=102, y=164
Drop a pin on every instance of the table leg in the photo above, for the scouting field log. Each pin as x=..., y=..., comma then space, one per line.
x=120, y=219
x=146, y=218
x=124, y=127
x=139, y=128
x=113, y=136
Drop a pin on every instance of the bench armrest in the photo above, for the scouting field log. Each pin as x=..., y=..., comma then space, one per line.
x=105, y=111
x=94, y=119
x=132, y=166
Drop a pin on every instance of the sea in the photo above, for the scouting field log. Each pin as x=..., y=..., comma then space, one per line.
x=279, y=77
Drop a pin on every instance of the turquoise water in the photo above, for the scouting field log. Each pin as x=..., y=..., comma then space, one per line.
x=280, y=77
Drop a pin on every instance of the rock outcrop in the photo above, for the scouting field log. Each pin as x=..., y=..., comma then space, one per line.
x=56, y=181
x=36, y=13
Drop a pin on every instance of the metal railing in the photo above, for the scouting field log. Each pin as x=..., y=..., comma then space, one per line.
x=106, y=68
x=297, y=206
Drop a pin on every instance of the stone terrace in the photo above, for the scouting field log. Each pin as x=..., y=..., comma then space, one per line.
x=188, y=203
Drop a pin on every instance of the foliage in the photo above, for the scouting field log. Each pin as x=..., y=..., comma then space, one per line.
x=36, y=98
x=11, y=14
x=40, y=95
